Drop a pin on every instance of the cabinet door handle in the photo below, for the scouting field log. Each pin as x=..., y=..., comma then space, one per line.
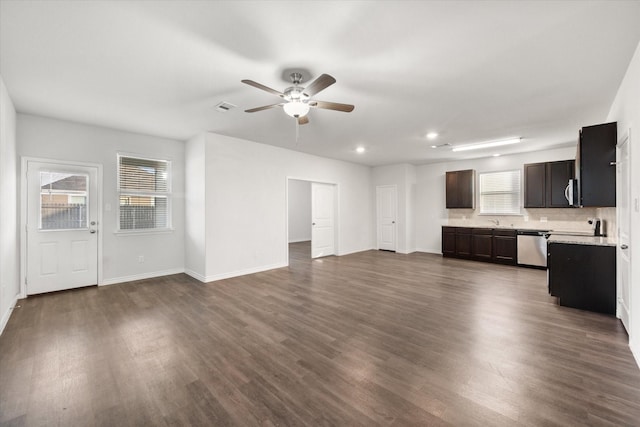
x=566, y=192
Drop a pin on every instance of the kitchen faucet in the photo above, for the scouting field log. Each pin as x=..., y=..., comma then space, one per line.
x=495, y=221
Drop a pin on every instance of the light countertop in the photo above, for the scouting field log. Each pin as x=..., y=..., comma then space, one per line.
x=582, y=240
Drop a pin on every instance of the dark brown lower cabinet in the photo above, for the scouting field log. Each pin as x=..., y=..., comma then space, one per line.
x=583, y=276
x=463, y=242
x=482, y=244
x=449, y=241
x=482, y=239
x=505, y=246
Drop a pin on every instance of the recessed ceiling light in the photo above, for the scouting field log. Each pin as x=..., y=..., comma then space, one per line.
x=434, y=146
x=432, y=135
x=496, y=155
x=489, y=144
x=360, y=150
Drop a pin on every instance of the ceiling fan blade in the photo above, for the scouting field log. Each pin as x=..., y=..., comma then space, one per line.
x=321, y=83
x=347, y=108
x=264, y=107
x=303, y=120
x=263, y=87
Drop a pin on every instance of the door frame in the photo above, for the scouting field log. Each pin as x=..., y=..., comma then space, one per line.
x=336, y=212
x=625, y=139
x=24, y=163
x=395, y=225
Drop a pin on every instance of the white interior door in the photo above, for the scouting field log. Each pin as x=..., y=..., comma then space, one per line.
x=62, y=211
x=387, y=206
x=623, y=196
x=322, y=220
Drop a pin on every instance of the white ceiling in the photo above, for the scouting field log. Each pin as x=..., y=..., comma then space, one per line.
x=470, y=70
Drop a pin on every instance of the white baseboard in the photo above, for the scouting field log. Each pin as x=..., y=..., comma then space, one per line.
x=635, y=350
x=7, y=315
x=244, y=272
x=195, y=275
x=355, y=251
x=428, y=251
x=142, y=276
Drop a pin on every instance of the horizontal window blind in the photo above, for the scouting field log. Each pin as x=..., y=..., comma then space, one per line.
x=143, y=174
x=500, y=193
x=144, y=187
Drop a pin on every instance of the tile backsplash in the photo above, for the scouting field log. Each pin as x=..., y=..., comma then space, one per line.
x=557, y=219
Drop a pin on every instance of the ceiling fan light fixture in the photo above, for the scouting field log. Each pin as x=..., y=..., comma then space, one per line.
x=296, y=108
x=488, y=144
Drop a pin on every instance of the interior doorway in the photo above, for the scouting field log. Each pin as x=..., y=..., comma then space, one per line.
x=386, y=213
x=311, y=219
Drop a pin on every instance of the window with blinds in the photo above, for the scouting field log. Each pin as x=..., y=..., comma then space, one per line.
x=145, y=193
x=500, y=193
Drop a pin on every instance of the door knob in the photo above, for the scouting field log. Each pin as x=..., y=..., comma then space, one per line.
x=393, y=222
x=92, y=231
x=624, y=247
x=313, y=223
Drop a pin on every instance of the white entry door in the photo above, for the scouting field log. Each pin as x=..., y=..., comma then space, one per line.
x=623, y=196
x=62, y=211
x=322, y=221
x=387, y=206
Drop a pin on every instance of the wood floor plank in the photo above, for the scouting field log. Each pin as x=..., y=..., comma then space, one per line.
x=372, y=338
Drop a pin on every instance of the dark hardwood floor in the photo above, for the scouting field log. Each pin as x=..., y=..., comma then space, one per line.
x=373, y=338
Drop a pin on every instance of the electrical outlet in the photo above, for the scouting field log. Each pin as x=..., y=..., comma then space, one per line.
x=543, y=219
x=526, y=218
x=141, y=259
x=636, y=205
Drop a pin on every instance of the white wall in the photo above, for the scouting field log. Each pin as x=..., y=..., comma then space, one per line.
x=626, y=111
x=195, y=196
x=430, y=211
x=56, y=139
x=403, y=176
x=9, y=271
x=299, y=215
x=246, y=204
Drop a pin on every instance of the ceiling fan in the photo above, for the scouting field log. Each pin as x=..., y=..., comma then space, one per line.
x=297, y=99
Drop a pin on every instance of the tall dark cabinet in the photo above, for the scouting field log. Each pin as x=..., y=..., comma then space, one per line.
x=459, y=189
x=596, y=158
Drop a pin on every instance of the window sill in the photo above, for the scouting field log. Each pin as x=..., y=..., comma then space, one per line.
x=143, y=232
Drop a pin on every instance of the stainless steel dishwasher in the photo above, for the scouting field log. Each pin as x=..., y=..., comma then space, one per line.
x=532, y=248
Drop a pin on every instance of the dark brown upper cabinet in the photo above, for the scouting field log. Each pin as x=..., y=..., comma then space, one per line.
x=460, y=189
x=558, y=176
x=535, y=185
x=597, y=159
x=545, y=184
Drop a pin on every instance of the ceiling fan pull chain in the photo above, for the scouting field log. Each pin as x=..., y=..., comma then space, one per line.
x=297, y=131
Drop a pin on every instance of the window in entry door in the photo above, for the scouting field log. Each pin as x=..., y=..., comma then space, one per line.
x=63, y=200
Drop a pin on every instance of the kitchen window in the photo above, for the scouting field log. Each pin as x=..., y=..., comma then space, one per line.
x=500, y=193
x=144, y=189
